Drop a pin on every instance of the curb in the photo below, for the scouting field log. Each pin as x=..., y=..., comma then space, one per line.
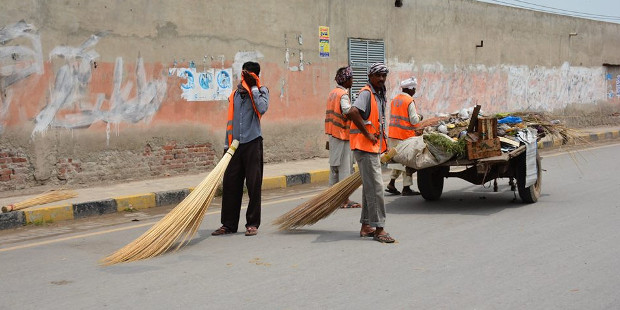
x=62, y=212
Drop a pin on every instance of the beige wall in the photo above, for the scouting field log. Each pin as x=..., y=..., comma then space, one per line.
x=57, y=107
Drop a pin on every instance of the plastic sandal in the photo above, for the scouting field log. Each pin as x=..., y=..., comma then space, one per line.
x=385, y=238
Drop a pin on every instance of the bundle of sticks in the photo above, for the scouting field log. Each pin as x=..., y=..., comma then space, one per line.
x=51, y=196
x=180, y=224
x=325, y=203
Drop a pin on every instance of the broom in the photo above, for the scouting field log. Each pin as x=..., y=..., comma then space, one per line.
x=181, y=223
x=325, y=203
x=51, y=196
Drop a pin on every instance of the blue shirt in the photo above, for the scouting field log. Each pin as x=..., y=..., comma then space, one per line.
x=246, y=125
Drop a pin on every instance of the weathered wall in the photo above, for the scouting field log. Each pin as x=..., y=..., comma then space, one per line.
x=96, y=91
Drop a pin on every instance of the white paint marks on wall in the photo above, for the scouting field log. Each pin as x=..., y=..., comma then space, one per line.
x=71, y=87
x=501, y=88
x=242, y=57
x=17, y=61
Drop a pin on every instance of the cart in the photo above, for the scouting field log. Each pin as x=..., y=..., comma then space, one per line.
x=510, y=165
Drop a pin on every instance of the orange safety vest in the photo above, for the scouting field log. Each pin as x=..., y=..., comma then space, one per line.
x=231, y=106
x=358, y=141
x=336, y=124
x=400, y=126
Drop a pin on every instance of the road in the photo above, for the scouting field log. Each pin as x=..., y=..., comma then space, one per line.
x=473, y=249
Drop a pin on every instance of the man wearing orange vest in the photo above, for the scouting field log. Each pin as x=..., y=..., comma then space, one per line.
x=246, y=106
x=367, y=139
x=403, y=122
x=337, y=128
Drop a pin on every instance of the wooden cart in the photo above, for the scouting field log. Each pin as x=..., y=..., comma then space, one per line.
x=510, y=165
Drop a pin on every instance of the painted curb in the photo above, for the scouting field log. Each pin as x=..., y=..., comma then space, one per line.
x=143, y=201
x=49, y=214
x=165, y=198
x=12, y=219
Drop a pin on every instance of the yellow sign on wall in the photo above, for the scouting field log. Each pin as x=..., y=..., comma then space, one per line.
x=323, y=41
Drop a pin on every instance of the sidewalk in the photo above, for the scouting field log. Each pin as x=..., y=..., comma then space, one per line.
x=94, y=201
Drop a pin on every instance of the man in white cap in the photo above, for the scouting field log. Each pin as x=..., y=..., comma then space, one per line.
x=403, y=123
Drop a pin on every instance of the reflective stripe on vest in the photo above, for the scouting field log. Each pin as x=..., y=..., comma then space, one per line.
x=400, y=126
x=231, y=106
x=357, y=140
x=336, y=124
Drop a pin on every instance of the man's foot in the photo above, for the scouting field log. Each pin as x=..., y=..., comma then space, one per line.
x=251, y=231
x=222, y=231
x=383, y=237
x=367, y=231
x=409, y=192
x=391, y=189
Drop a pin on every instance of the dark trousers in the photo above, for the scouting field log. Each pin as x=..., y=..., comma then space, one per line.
x=246, y=164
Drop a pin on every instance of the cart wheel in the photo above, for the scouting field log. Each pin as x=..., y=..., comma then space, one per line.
x=532, y=193
x=430, y=182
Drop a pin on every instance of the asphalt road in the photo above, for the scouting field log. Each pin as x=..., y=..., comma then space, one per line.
x=473, y=249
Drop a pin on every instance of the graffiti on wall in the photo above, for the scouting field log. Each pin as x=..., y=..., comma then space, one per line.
x=209, y=85
x=502, y=88
x=69, y=92
x=20, y=57
x=618, y=86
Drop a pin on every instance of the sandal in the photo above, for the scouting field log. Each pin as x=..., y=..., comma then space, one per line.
x=367, y=234
x=222, y=231
x=392, y=190
x=251, y=231
x=384, y=238
x=409, y=192
x=351, y=205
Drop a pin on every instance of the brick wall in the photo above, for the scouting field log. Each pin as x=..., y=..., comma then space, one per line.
x=172, y=158
x=15, y=170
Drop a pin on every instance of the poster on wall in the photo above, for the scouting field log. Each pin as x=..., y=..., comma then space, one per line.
x=209, y=85
x=323, y=41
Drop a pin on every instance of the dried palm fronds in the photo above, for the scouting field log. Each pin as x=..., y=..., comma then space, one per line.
x=51, y=196
x=321, y=205
x=180, y=224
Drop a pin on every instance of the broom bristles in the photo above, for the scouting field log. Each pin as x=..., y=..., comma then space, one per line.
x=180, y=224
x=321, y=205
x=51, y=196
x=325, y=203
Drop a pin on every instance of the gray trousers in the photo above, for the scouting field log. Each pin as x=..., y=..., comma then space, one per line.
x=373, y=205
x=340, y=160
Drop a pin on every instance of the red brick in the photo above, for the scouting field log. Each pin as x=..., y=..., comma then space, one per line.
x=168, y=147
x=168, y=157
x=19, y=159
x=4, y=154
x=4, y=178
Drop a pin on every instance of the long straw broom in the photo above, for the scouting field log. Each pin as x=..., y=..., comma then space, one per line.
x=181, y=223
x=51, y=196
x=325, y=203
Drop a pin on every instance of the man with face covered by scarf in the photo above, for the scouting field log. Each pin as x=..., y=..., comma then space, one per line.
x=367, y=140
x=337, y=128
x=246, y=106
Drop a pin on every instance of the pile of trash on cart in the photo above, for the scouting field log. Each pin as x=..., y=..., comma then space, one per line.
x=471, y=134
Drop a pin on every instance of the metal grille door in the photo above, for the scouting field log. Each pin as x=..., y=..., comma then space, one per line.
x=362, y=54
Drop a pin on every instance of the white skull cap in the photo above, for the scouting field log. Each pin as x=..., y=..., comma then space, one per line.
x=409, y=83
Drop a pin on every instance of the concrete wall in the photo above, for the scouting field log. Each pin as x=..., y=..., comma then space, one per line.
x=94, y=91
